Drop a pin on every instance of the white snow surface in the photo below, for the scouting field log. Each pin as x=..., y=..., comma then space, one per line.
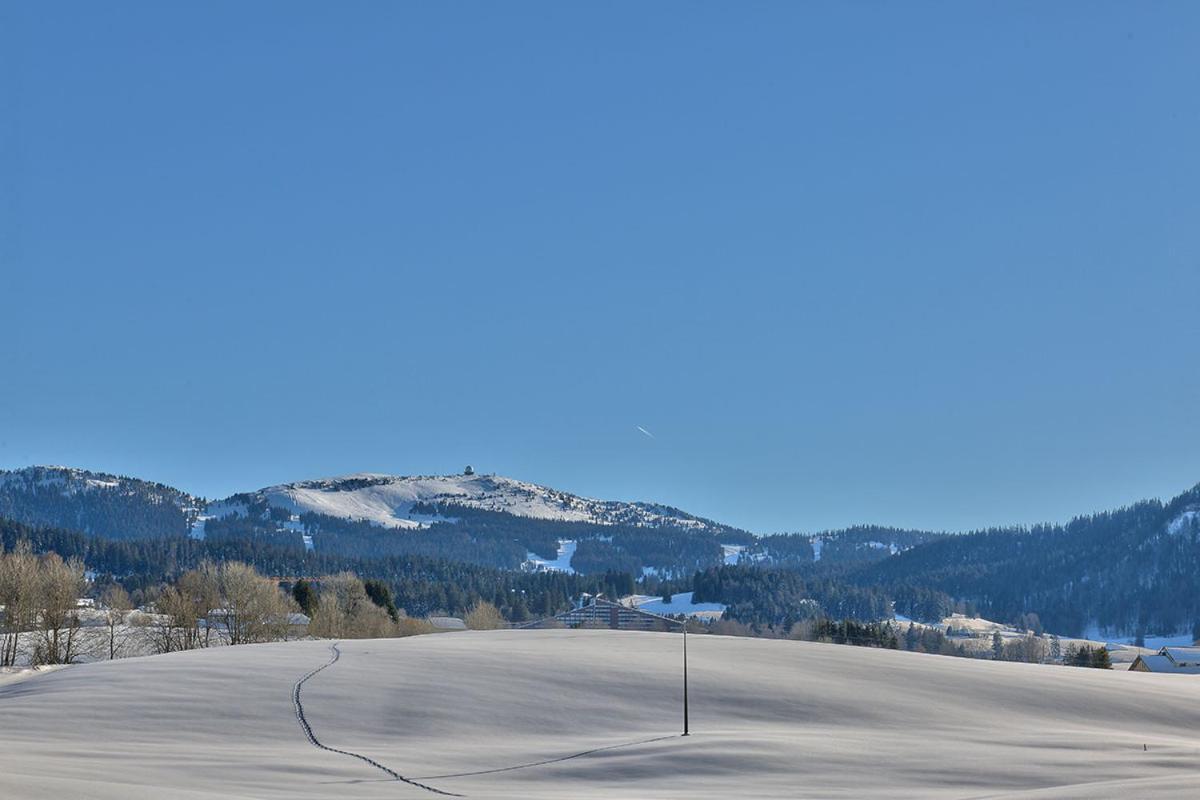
x=562, y=563
x=1154, y=641
x=197, y=528
x=680, y=604
x=770, y=719
x=1182, y=522
x=388, y=500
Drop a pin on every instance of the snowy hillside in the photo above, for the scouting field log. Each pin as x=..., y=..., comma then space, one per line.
x=389, y=500
x=545, y=715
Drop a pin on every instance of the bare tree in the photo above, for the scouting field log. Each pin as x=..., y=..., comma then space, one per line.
x=158, y=626
x=1028, y=648
x=186, y=608
x=484, y=617
x=116, y=609
x=18, y=585
x=345, y=611
x=253, y=609
x=411, y=626
x=59, y=586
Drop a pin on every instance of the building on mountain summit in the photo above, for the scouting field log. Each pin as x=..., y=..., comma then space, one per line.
x=1176, y=660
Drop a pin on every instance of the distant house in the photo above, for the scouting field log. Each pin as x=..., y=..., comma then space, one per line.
x=448, y=623
x=1171, y=660
x=601, y=613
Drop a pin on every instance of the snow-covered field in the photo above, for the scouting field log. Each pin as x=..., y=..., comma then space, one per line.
x=561, y=562
x=975, y=634
x=775, y=719
x=681, y=603
x=1183, y=638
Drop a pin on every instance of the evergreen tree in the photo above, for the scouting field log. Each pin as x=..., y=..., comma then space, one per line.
x=305, y=596
x=381, y=595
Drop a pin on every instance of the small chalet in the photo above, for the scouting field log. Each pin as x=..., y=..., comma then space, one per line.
x=1176, y=660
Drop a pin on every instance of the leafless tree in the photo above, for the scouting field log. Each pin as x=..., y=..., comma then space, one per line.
x=18, y=587
x=1028, y=648
x=345, y=611
x=183, y=621
x=59, y=586
x=484, y=617
x=116, y=610
x=253, y=608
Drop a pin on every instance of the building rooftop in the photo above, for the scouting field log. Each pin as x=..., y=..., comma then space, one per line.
x=1162, y=663
x=1182, y=654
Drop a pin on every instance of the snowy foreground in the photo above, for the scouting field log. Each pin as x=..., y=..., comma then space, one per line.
x=769, y=719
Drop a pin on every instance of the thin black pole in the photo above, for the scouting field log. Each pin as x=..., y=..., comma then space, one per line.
x=685, y=680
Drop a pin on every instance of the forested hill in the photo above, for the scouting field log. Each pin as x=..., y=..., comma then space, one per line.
x=1136, y=568
x=860, y=544
x=420, y=585
x=113, y=506
x=486, y=520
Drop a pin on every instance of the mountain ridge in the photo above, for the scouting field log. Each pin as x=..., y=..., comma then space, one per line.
x=383, y=499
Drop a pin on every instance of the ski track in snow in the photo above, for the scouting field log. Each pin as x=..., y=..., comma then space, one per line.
x=306, y=726
x=315, y=742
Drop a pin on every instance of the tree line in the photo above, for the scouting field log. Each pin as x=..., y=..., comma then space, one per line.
x=230, y=603
x=423, y=586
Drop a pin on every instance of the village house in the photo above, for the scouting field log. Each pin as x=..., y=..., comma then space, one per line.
x=1176, y=660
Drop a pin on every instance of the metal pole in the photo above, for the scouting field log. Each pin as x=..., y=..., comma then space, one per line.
x=685, y=680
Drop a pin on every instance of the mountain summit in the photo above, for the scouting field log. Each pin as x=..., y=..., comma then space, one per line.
x=415, y=501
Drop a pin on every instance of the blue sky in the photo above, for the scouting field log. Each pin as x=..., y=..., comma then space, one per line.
x=930, y=264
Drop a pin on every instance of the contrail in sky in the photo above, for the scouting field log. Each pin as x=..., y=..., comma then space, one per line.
x=643, y=430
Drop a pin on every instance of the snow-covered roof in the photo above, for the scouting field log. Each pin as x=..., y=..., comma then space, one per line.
x=448, y=623
x=1182, y=655
x=1161, y=663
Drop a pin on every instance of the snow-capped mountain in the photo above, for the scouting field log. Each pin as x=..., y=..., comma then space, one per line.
x=407, y=501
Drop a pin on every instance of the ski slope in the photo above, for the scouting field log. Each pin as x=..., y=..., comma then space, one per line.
x=681, y=603
x=506, y=714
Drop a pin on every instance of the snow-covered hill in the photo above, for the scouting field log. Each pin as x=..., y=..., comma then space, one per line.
x=545, y=715
x=389, y=500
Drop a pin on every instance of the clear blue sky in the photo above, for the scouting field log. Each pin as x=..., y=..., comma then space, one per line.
x=931, y=264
